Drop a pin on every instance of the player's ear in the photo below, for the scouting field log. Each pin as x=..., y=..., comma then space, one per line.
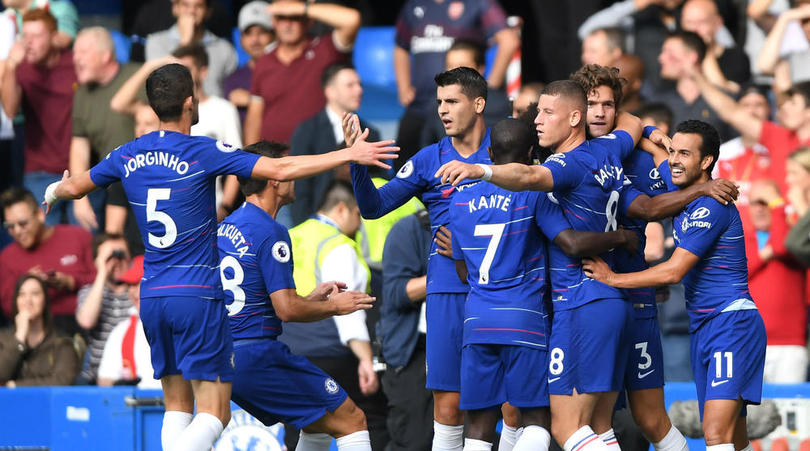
x=188, y=104
x=705, y=162
x=479, y=104
x=575, y=118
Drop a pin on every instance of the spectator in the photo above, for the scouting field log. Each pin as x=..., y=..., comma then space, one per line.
x=40, y=78
x=126, y=356
x=96, y=129
x=465, y=53
x=188, y=30
x=104, y=303
x=60, y=255
x=402, y=329
x=792, y=132
x=528, y=94
x=647, y=23
x=786, y=52
x=603, y=46
x=726, y=63
x=67, y=18
x=255, y=35
x=798, y=195
x=657, y=114
x=324, y=132
x=33, y=352
x=743, y=160
x=631, y=68
x=323, y=250
x=286, y=82
x=681, y=56
x=119, y=219
x=777, y=283
x=425, y=31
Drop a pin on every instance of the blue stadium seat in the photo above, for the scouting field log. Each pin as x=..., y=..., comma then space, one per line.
x=374, y=56
x=123, y=44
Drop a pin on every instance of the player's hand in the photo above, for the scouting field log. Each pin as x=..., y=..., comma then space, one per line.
x=350, y=301
x=351, y=128
x=17, y=54
x=372, y=154
x=444, y=245
x=369, y=383
x=454, y=172
x=631, y=241
x=597, y=269
x=722, y=190
x=84, y=214
x=326, y=289
x=661, y=139
x=50, y=192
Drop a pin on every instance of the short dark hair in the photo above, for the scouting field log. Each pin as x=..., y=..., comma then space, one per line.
x=540, y=153
x=269, y=149
x=17, y=194
x=660, y=112
x=690, y=40
x=337, y=192
x=570, y=90
x=167, y=88
x=511, y=140
x=753, y=88
x=471, y=46
x=802, y=89
x=592, y=76
x=196, y=52
x=709, y=142
x=331, y=72
x=472, y=83
x=47, y=320
x=614, y=36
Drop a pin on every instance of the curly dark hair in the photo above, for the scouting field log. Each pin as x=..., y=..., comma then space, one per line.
x=592, y=76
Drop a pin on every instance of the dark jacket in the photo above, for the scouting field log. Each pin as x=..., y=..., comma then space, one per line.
x=53, y=362
x=312, y=137
x=405, y=257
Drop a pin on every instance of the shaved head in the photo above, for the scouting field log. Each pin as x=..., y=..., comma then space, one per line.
x=570, y=92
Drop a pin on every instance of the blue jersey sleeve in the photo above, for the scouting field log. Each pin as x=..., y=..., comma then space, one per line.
x=377, y=202
x=628, y=195
x=619, y=142
x=549, y=217
x=106, y=171
x=275, y=260
x=666, y=176
x=703, y=227
x=566, y=173
x=225, y=159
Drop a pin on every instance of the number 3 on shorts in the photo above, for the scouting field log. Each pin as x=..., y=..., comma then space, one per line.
x=555, y=364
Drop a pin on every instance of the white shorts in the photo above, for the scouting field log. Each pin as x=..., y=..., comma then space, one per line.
x=785, y=364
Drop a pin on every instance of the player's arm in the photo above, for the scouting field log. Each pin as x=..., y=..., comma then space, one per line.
x=630, y=124
x=669, y=272
x=511, y=176
x=70, y=187
x=670, y=204
x=577, y=243
x=292, y=168
x=125, y=100
x=727, y=108
x=289, y=306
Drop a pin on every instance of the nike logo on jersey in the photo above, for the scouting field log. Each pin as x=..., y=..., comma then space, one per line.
x=643, y=375
x=716, y=383
x=447, y=192
x=554, y=379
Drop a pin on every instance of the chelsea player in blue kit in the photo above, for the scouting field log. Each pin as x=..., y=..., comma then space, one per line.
x=727, y=334
x=499, y=244
x=461, y=96
x=256, y=269
x=169, y=179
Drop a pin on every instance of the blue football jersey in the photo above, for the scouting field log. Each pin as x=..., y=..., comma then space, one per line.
x=255, y=261
x=501, y=236
x=417, y=178
x=588, y=183
x=719, y=281
x=640, y=169
x=169, y=181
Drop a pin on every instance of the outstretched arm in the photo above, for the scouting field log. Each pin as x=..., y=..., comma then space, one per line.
x=512, y=176
x=769, y=55
x=727, y=108
x=666, y=273
x=577, y=243
x=670, y=204
x=325, y=301
x=68, y=188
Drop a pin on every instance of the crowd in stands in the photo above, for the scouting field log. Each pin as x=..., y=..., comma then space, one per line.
x=69, y=280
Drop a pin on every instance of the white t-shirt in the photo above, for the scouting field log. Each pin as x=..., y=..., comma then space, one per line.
x=111, y=365
x=218, y=119
x=341, y=264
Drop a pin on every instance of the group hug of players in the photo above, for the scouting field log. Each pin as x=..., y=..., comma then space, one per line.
x=538, y=294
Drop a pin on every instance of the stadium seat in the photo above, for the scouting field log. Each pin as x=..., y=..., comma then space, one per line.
x=374, y=57
x=123, y=44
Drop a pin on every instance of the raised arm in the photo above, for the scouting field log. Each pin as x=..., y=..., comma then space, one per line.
x=577, y=243
x=769, y=55
x=727, y=109
x=630, y=124
x=345, y=21
x=125, y=100
x=11, y=92
x=667, y=273
x=512, y=176
x=611, y=16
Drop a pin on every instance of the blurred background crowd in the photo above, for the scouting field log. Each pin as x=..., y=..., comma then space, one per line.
x=71, y=86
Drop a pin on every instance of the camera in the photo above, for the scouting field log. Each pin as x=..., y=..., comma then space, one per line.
x=118, y=254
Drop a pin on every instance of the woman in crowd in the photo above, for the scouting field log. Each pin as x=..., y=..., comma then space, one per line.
x=32, y=352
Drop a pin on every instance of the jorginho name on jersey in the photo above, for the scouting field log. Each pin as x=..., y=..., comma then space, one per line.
x=501, y=235
x=588, y=182
x=169, y=180
x=255, y=261
x=417, y=178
